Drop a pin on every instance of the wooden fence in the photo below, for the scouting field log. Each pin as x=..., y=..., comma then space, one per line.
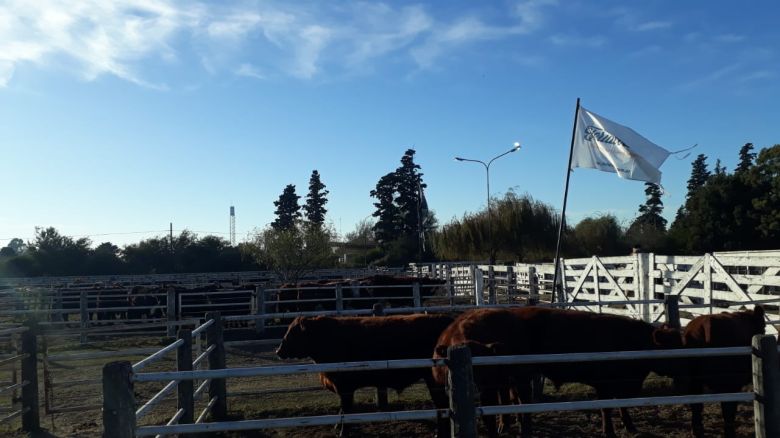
x=120, y=417
x=711, y=283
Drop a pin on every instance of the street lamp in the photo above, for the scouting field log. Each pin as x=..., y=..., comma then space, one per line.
x=490, y=213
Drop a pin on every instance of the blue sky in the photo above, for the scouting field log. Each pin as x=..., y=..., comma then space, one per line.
x=123, y=116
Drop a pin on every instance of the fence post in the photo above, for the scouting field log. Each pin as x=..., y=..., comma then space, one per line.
x=339, y=298
x=492, y=299
x=479, y=284
x=259, y=309
x=58, y=306
x=171, y=311
x=83, y=316
x=217, y=387
x=450, y=284
x=118, y=400
x=381, y=391
x=561, y=287
x=672, y=307
x=643, y=282
x=30, y=418
x=766, y=384
x=533, y=286
x=511, y=283
x=460, y=385
x=185, y=388
x=416, y=294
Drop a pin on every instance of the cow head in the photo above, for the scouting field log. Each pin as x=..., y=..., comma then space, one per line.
x=295, y=343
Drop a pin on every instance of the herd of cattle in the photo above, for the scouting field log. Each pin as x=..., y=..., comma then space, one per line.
x=529, y=330
x=115, y=302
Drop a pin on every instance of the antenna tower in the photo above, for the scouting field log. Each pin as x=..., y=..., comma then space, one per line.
x=232, y=225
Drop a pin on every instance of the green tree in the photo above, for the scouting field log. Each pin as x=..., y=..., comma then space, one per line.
x=649, y=227
x=314, y=209
x=524, y=230
x=408, y=187
x=55, y=254
x=699, y=175
x=387, y=227
x=295, y=251
x=746, y=158
x=105, y=260
x=601, y=236
x=764, y=178
x=288, y=212
x=719, y=169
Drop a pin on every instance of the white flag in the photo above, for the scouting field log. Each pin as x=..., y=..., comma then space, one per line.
x=602, y=144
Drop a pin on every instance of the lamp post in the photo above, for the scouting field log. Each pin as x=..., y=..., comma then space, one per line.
x=490, y=213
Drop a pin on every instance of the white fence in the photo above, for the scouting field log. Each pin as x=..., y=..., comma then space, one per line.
x=711, y=283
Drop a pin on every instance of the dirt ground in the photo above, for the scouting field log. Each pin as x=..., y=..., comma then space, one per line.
x=666, y=422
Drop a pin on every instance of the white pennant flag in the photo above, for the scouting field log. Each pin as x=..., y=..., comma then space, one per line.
x=602, y=144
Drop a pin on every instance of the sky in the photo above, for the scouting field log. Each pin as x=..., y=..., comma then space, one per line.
x=118, y=118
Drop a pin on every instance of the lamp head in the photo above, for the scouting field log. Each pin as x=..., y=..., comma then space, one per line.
x=516, y=147
x=458, y=159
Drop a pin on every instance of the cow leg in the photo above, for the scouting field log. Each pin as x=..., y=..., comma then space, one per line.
x=347, y=402
x=628, y=423
x=729, y=410
x=489, y=397
x=505, y=398
x=697, y=428
x=441, y=401
x=526, y=396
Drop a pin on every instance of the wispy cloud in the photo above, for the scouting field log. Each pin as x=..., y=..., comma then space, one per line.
x=94, y=37
x=249, y=71
x=652, y=25
x=713, y=76
x=97, y=37
x=578, y=41
x=730, y=38
x=756, y=75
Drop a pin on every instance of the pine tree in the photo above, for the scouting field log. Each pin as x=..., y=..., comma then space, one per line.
x=745, y=158
x=287, y=209
x=650, y=211
x=387, y=226
x=314, y=209
x=699, y=175
x=719, y=169
x=408, y=186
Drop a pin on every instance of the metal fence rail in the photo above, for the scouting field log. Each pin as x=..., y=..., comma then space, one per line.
x=121, y=377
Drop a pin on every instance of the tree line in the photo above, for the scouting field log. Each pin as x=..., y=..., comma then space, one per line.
x=738, y=210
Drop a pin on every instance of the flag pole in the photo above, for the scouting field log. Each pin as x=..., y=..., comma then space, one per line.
x=561, y=225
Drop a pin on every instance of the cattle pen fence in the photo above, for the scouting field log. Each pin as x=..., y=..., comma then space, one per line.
x=121, y=413
x=20, y=366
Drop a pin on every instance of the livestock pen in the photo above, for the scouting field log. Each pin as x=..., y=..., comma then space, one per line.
x=120, y=416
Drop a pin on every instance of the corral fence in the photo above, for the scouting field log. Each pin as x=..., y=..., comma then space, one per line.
x=19, y=364
x=98, y=307
x=121, y=412
x=710, y=283
x=233, y=278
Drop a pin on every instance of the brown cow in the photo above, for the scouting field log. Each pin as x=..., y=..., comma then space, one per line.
x=536, y=330
x=345, y=339
x=724, y=374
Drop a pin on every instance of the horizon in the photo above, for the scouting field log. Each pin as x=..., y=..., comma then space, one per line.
x=118, y=120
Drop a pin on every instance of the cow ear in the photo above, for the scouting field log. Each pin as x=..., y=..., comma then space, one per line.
x=758, y=312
